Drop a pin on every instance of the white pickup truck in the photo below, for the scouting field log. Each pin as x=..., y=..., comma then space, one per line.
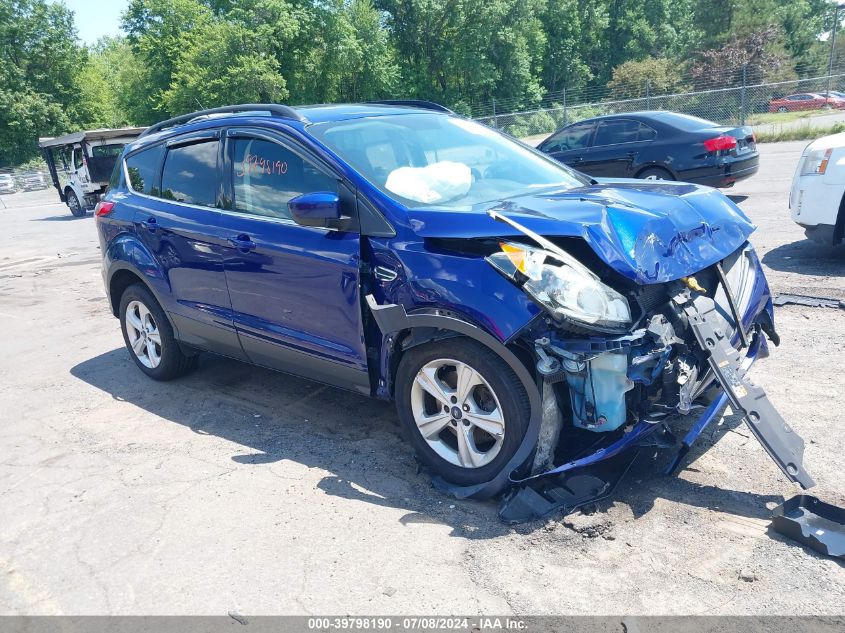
x=81, y=163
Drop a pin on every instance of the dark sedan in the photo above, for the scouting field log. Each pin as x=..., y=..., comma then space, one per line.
x=657, y=146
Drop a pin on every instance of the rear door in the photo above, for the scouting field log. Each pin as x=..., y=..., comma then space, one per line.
x=177, y=189
x=616, y=147
x=570, y=144
x=294, y=289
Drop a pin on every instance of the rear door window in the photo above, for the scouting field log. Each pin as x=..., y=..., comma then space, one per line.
x=190, y=174
x=143, y=170
x=617, y=132
x=266, y=175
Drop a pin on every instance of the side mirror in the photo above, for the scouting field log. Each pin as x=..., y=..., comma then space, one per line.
x=321, y=208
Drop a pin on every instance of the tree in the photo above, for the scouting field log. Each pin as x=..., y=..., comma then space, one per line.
x=657, y=28
x=462, y=51
x=159, y=31
x=572, y=30
x=224, y=64
x=659, y=74
x=758, y=54
x=38, y=95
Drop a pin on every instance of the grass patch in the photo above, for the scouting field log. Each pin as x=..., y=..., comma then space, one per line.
x=801, y=133
x=773, y=118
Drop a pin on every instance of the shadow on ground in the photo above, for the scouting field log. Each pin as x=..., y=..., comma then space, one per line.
x=273, y=417
x=62, y=218
x=806, y=257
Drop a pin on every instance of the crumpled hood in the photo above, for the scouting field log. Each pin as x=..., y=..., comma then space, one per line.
x=649, y=231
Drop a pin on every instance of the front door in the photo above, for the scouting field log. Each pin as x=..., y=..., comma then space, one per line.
x=570, y=145
x=294, y=289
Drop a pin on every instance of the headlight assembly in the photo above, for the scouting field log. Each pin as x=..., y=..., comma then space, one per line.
x=566, y=288
x=815, y=162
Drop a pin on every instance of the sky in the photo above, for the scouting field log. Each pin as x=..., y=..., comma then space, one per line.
x=95, y=18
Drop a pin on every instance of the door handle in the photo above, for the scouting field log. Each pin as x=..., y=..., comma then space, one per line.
x=242, y=243
x=151, y=224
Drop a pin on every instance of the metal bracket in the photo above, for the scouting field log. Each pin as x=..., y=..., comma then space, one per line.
x=781, y=443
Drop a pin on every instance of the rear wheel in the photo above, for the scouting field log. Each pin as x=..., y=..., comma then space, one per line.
x=783, y=109
x=149, y=337
x=74, y=205
x=463, y=409
x=655, y=173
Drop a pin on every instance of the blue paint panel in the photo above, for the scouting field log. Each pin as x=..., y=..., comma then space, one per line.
x=296, y=289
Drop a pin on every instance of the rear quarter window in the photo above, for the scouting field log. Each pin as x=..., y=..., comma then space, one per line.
x=143, y=169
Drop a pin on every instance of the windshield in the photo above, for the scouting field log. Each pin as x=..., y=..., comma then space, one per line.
x=423, y=160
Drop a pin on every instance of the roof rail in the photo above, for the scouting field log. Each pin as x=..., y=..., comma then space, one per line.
x=414, y=103
x=274, y=109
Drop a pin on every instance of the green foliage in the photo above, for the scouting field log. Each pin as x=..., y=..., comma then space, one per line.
x=38, y=96
x=224, y=64
x=658, y=75
x=466, y=50
x=180, y=55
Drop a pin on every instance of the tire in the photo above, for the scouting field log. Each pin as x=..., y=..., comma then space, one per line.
x=655, y=173
x=74, y=205
x=159, y=355
x=495, y=394
x=783, y=109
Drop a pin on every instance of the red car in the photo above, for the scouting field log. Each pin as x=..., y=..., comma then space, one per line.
x=805, y=101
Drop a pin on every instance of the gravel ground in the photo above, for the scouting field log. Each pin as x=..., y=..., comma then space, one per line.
x=238, y=489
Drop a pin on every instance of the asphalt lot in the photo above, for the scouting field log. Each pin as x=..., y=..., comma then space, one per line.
x=241, y=490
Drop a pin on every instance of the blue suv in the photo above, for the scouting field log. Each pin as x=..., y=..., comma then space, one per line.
x=527, y=320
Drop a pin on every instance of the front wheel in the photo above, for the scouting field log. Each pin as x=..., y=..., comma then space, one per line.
x=463, y=409
x=74, y=205
x=149, y=336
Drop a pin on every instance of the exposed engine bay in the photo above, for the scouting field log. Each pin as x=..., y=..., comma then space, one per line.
x=688, y=353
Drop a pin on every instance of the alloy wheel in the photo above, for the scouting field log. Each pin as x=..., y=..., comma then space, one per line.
x=457, y=413
x=142, y=334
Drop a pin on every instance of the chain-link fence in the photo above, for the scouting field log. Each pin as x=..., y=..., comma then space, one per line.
x=30, y=177
x=751, y=104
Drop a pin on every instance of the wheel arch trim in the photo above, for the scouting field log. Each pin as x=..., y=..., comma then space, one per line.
x=392, y=319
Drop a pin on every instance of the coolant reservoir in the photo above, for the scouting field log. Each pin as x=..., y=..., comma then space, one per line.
x=597, y=387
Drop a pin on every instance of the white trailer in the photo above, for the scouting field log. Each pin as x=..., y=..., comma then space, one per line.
x=81, y=163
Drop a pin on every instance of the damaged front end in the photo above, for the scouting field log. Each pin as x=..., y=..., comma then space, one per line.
x=618, y=366
x=626, y=307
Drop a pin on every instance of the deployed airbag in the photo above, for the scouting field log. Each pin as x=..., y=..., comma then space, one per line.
x=437, y=182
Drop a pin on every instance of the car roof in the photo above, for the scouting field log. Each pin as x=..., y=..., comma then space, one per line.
x=305, y=116
x=325, y=113
x=666, y=117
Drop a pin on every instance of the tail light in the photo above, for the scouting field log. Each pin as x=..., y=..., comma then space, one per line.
x=719, y=143
x=103, y=208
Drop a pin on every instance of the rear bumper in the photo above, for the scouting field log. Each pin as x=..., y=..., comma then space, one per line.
x=724, y=173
